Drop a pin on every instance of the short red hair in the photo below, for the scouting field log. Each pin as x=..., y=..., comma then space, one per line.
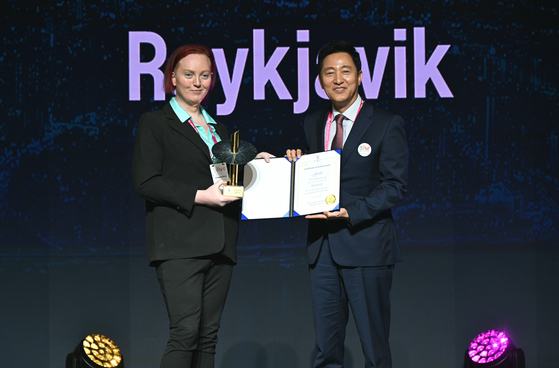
x=180, y=54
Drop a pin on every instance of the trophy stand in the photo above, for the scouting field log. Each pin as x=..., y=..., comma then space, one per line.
x=234, y=153
x=233, y=189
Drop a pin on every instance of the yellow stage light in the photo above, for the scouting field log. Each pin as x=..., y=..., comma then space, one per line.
x=95, y=351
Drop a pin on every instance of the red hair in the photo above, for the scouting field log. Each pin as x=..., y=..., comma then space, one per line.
x=180, y=54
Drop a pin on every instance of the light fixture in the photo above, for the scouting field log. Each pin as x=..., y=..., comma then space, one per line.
x=95, y=351
x=493, y=349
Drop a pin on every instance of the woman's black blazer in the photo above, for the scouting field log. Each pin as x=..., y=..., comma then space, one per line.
x=169, y=164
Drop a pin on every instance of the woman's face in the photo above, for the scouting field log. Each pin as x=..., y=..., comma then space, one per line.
x=192, y=79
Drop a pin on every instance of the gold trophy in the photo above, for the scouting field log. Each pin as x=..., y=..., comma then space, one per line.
x=234, y=153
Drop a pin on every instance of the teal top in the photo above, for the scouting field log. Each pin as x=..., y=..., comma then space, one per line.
x=206, y=136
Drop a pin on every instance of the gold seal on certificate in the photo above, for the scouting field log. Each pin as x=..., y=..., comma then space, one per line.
x=281, y=188
x=330, y=199
x=234, y=153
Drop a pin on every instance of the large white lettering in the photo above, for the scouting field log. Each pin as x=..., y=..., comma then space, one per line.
x=302, y=104
x=267, y=71
x=400, y=65
x=425, y=71
x=371, y=85
x=137, y=67
x=231, y=85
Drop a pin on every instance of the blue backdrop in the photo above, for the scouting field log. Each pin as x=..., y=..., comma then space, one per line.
x=475, y=81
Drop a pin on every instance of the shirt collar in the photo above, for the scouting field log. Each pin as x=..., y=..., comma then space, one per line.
x=184, y=116
x=351, y=112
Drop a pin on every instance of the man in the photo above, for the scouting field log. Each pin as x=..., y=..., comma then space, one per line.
x=352, y=252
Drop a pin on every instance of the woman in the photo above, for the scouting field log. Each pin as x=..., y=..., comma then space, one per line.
x=191, y=227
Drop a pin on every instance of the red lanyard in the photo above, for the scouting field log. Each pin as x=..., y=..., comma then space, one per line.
x=329, y=124
x=211, y=130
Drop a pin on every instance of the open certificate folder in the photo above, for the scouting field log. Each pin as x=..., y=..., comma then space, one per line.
x=282, y=188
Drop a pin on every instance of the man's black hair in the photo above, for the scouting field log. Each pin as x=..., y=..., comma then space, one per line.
x=335, y=47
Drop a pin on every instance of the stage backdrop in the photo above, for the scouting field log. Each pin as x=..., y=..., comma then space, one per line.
x=476, y=83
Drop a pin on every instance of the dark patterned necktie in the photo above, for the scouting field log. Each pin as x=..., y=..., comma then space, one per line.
x=338, y=141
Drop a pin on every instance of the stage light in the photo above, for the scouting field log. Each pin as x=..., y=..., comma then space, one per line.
x=95, y=351
x=493, y=349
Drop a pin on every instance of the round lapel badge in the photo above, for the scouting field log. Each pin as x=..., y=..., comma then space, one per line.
x=364, y=149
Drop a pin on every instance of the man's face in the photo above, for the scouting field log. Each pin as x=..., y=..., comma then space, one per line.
x=340, y=79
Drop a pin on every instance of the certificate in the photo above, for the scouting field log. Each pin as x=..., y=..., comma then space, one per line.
x=282, y=188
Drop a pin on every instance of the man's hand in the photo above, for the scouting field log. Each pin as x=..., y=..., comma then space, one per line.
x=213, y=197
x=265, y=155
x=293, y=155
x=342, y=214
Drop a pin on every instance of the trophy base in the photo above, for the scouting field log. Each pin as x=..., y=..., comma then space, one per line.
x=233, y=191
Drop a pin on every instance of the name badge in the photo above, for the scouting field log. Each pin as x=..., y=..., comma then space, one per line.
x=219, y=172
x=364, y=149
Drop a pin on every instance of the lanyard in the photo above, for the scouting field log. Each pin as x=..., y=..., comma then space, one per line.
x=329, y=124
x=211, y=130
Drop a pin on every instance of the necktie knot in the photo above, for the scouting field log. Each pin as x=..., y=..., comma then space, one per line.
x=338, y=141
x=339, y=119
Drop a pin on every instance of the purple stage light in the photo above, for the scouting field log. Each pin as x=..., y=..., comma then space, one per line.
x=493, y=349
x=488, y=346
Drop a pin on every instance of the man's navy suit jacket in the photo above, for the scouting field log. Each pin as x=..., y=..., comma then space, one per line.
x=370, y=186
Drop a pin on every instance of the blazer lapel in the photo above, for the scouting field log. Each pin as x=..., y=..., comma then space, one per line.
x=360, y=126
x=186, y=130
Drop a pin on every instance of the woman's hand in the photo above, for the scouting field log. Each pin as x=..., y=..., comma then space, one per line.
x=265, y=155
x=213, y=197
